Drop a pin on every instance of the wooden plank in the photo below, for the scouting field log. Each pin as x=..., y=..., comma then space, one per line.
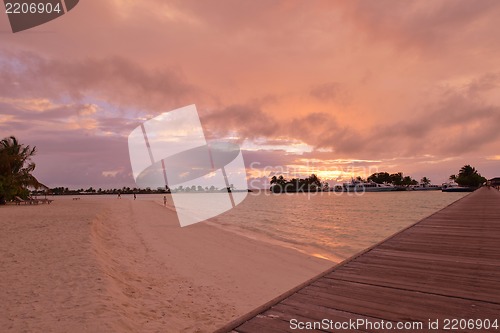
x=290, y=309
x=455, y=291
x=265, y=324
x=448, y=263
x=388, y=266
x=409, y=256
x=392, y=304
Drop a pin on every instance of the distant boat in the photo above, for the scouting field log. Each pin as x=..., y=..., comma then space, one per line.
x=400, y=188
x=360, y=187
x=425, y=188
x=454, y=187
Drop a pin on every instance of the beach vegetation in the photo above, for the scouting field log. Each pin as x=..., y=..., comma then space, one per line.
x=425, y=181
x=396, y=179
x=16, y=169
x=309, y=184
x=468, y=176
x=380, y=178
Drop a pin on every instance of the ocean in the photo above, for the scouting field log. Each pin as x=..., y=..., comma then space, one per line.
x=331, y=225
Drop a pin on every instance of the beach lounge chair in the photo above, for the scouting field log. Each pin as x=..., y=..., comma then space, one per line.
x=19, y=200
x=47, y=201
x=33, y=201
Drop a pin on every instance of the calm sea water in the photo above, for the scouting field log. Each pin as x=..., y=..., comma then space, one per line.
x=331, y=225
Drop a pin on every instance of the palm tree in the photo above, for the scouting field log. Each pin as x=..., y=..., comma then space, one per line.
x=314, y=180
x=467, y=170
x=407, y=181
x=396, y=178
x=278, y=183
x=16, y=169
x=425, y=181
x=468, y=176
x=359, y=179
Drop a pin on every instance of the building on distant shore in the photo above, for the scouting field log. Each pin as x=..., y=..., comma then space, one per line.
x=495, y=182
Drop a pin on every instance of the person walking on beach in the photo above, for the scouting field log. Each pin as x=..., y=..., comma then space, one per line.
x=164, y=200
x=135, y=197
x=119, y=195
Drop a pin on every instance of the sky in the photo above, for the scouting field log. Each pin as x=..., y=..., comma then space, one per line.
x=336, y=88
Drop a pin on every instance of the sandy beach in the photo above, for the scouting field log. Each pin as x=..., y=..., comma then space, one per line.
x=109, y=265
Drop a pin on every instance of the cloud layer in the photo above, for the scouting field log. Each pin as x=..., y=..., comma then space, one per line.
x=408, y=86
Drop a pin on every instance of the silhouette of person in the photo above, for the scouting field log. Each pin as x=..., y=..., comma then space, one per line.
x=135, y=197
x=119, y=195
x=164, y=200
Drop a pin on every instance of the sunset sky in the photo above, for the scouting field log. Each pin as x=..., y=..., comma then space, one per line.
x=338, y=88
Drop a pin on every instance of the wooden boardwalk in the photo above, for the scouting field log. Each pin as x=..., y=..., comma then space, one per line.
x=444, y=267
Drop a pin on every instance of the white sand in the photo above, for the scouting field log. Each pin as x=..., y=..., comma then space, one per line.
x=109, y=265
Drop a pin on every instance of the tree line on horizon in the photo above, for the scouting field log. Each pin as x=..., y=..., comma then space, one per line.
x=137, y=190
x=467, y=176
x=310, y=184
x=396, y=179
x=313, y=183
x=91, y=190
x=16, y=178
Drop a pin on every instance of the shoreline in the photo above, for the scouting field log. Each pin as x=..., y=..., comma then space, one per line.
x=260, y=237
x=236, y=221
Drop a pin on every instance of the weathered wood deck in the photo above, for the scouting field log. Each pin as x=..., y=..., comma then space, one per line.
x=443, y=267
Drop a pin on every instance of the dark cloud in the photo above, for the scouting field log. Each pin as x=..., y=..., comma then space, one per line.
x=260, y=159
x=114, y=80
x=458, y=122
x=248, y=121
x=432, y=26
x=81, y=159
x=27, y=111
x=320, y=130
x=483, y=84
x=327, y=92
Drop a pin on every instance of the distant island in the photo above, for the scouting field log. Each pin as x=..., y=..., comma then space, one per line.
x=313, y=183
x=309, y=184
x=467, y=179
x=468, y=176
x=17, y=180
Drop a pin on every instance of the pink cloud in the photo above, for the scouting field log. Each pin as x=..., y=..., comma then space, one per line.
x=360, y=80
